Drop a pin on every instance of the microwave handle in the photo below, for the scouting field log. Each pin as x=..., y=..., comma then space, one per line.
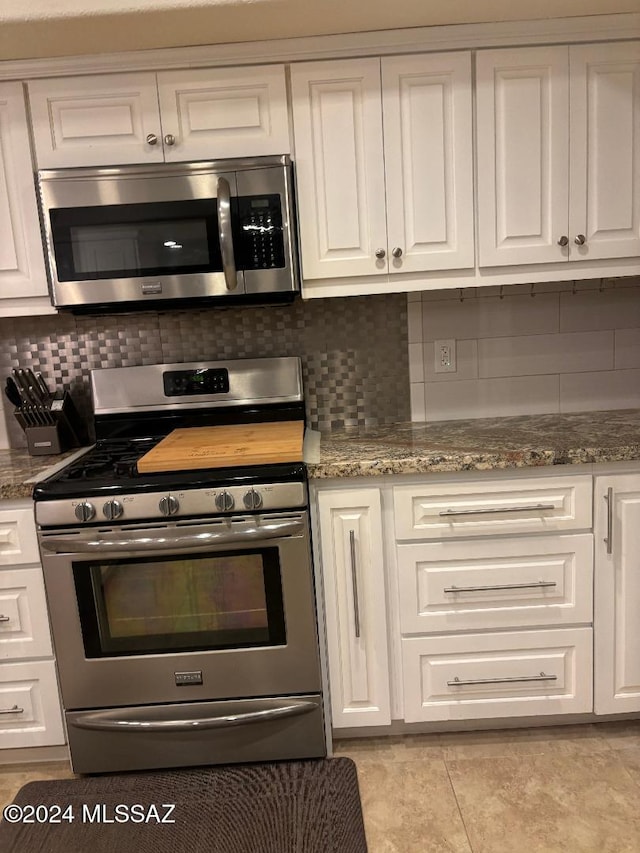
x=226, y=235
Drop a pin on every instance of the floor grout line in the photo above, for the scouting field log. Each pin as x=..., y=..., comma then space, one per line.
x=455, y=796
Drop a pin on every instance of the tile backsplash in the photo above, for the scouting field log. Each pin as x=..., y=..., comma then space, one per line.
x=353, y=350
x=564, y=347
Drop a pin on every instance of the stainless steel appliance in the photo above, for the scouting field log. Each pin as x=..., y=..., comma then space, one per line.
x=182, y=603
x=140, y=236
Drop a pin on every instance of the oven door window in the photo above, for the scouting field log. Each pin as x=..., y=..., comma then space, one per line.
x=148, y=605
x=131, y=240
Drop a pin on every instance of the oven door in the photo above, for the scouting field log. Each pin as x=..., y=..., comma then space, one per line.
x=222, y=609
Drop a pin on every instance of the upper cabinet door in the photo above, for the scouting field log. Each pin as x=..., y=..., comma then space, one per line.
x=428, y=161
x=22, y=272
x=523, y=155
x=337, y=119
x=214, y=113
x=96, y=120
x=605, y=151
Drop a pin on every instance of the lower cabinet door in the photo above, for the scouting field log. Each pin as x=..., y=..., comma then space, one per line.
x=478, y=676
x=355, y=608
x=30, y=711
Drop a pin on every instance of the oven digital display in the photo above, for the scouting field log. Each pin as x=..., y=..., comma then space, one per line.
x=187, y=383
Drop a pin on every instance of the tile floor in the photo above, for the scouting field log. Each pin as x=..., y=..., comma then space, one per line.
x=570, y=789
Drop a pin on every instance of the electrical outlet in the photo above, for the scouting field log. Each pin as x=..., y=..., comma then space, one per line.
x=445, y=356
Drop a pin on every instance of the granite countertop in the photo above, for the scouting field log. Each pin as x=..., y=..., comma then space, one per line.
x=409, y=448
x=480, y=445
x=19, y=471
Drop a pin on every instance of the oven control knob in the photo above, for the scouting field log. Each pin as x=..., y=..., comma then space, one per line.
x=85, y=511
x=112, y=510
x=224, y=501
x=252, y=499
x=168, y=505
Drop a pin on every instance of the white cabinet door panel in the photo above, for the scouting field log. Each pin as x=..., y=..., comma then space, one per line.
x=605, y=151
x=213, y=113
x=24, y=621
x=523, y=155
x=503, y=583
x=476, y=676
x=22, y=271
x=617, y=594
x=493, y=507
x=339, y=167
x=355, y=606
x=429, y=161
x=96, y=120
x=30, y=713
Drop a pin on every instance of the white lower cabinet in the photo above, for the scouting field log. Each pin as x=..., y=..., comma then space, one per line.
x=471, y=597
x=355, y=606
x=30, y=707
x=514, y=674
x=617, y=594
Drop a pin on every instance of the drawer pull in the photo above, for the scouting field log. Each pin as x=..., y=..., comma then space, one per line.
x=534, y=585
x=14, y=710
x=493, y=509
x=609, y=537
x=4, y=618
x=457, y=682
x=354, y=582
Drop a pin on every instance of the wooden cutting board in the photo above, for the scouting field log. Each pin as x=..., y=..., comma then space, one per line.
x=224, y=446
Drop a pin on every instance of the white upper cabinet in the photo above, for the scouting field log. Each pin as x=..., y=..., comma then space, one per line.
x=384, y=165
x=146, y=117
x=605, y=151
x=558, y=158
x=22, y=272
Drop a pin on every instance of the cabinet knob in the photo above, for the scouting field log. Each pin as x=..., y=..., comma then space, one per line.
x=152, y=139
x=397, y=252
x=380, y=253
x=580, y=240
x=563, y=241
x=169, y=139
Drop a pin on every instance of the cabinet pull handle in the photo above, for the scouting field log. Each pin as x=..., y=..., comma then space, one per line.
x=380, y=254
x=533, y=585
x=152, y=139
x=4, y=618
x=609, y=537
x=354, y=582
x=14, y=710
x=493, y=509
x=169, y=139
x=563, y=241
x=459, y=682
x=580, y=240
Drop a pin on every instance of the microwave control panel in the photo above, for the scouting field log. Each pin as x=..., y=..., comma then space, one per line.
x=262, y=241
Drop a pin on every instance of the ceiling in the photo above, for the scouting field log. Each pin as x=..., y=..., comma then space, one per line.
x=35, y=29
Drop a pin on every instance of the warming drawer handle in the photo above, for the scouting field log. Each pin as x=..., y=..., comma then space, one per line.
x=87, y=543
x=108, y=721
x=459, y=682
x=494, y=509
x=226, y=234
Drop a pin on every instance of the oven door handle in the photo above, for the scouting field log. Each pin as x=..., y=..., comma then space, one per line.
x=144, y=540
x=130, y=721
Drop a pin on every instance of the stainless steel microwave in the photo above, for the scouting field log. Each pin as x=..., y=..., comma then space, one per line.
x=135, y=237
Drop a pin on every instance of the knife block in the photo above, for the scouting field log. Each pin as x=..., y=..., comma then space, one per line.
x=66, y=432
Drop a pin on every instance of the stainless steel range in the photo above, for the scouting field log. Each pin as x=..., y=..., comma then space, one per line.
x=182, y=604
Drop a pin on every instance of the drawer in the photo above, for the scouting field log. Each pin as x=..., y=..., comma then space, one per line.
x=24, y=621
x=18, y=541
x=30, y=711
x=497, y=583
x=476, y=676
x=493, y=507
